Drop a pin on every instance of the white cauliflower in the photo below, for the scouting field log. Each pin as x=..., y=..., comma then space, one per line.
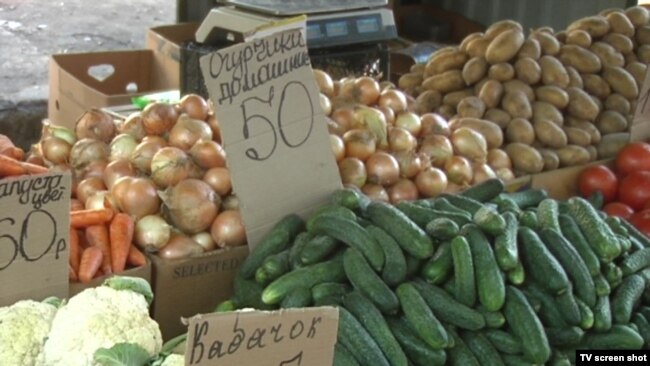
x=174, y=360
x=116, y=312
x=23, y=330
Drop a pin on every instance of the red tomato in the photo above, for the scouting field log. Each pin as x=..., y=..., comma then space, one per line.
x=598, y=178
x=633, y=157
x=635, y=189
x=619, y=209
x=647, y=204
x=641, y=220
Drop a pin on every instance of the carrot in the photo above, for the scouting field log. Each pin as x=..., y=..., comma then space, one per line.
x=72, y=275
x=34, y=169
x=136, y=257
x=8, y=148
x=85, y=218
x=121, y=232
x=75, y=250
x=83, y=243
x=98, y=237
x=35, y=159
x=10, y=167
x=76, y=205
x=91, y=260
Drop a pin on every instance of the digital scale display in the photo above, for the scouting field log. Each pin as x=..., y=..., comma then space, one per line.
x=314, y=32
x=337, y=29
x=367, y=25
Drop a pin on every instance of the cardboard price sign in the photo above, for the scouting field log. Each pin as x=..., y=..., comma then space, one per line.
x=291, y=337
x=34, y=231
x=272, y=127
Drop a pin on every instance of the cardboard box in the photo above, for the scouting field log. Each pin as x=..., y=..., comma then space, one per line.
x=186, y=287
x=82, y=81
x=141, y=272
x=166, y=42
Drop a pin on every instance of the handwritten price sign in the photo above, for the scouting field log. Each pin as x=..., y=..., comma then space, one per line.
x=273, y=128
x=34, y=227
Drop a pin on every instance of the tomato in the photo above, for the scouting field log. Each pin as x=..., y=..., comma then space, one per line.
x=641, y=220
x=633, y=157
x=598, y=178
x=619, y=209
x=647, y=204
x=635, y=189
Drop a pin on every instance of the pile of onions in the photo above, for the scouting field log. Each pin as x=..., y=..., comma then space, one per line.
x=96, y=124
x=122, y=147
x=136, y=196
x=117, y=169
x=55, y=150
x=192, y=205
x=143, y=153
x=158, y=118
x=219, y=180
x=187, y=131
x=194, y=106
x=133, y=126
x=87, y=151
x=208, y=154
x=169, y=166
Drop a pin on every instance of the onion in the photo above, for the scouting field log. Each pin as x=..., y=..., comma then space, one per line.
x=353, y=172
x=365, y=90
x=403, y=190
x=374, y=121
x=410, y=122
x=219, y=180
x=482, y=172
x=99, y=200
x=136, y=196
x=399, y=139
x=498, y=159
x=152, y=232
x=454, y=188
x=87, y=151
x=61, y=132
x=95, y=124
x=228, y=229
x=325, y=104
x=387, y=85
x=158, y=118
x=438, y=148
x=505, y=174
x=88, y=187
x=344, y=117
x=194, y=106
x=409, y=162
x=346, y=90
x=195, y=171
x=431, y=182
x=434, y=124
x=334, y=127
x=389, y=114
x=192, y=205
x=208, y=154
x=187, y=131
x=359, y=143
x=122, y=147
x=393, y=99
x=94, y=169
x=169, y=166
x=179, y=247
x=116, y=170
x=144, y=152
x=382, y=169
x=324, y=82
x=214, y=126
x=205, y=240
x=375, y=192
x=55, y=150
x=338, y=147
x=132, y=125
x=459, y=170
x=470, y=144
x=35, y=159
x=230, y=202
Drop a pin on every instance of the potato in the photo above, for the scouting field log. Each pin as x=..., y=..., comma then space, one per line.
x=638, y=71
x=410, y=80
x=474, y=70
x=643, y=35
x=501, y=72
x=621, y=81
x=453, y=99
x=586, y=126
x=620, y=42
x=607, y=54
x=577, y=136
x=618, y=103
x=504, y=46
x=517, y=105
x=596, y=26
x=611, y=144
x=553, y=95
x=549, y=45
x=530, y=48
x=528, y=70
x=525, y=159
x=553, y=72
x=446, y=111
x=453, y=60
x=580, y=58
x=478, y=47
x=502, y=26
x=446, y=82
x=491, y=131
x=581, y=105
x=546, y=29
x=598, y=102
x=578, y=37
x=520, y=130
x=638, y=15
x=606, y=12
x=418, y=68
x=471, y=107
x=611, y=122
x=543, y=111
x=520, y=86
x=427, y=101
x=470, y=37
x=500, y=117
x=630, y=57
x=549, y=134
x=593, y=152
x=643, y=53
x=491, y=93
x=575, y=79
x=572, y=155
x=595, y=85
x=619, y=23
x=561, y=36
x=478, y=86
x=441, y=51
x=551, y=160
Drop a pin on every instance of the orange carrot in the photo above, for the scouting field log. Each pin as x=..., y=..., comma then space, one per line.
x=8, y=148
x=97, y=236
x=72, y=275
x=85, y=218
x=121, y=232
x=75, y=250
x=91, y=260
x=76, y=205
x=35, y=159
x=34, y=169
x=136, y=257
x=83, y=243
x=10, y=167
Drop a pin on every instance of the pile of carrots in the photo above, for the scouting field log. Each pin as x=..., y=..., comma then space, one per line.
x=11, y=160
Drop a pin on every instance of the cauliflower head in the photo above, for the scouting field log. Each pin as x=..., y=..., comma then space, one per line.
x=174, y=360
x=23, y=330
x=99, y=318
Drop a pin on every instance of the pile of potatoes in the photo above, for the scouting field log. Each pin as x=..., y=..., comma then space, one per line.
x=549, y=99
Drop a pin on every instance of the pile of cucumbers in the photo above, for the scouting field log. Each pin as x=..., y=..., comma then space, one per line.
x=485, y=277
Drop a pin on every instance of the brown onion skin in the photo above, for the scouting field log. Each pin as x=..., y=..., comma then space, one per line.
x=194, y=106
x=365, y=90
x=324, y=82
x=133, y=126
x=219, y=180
x=208, y=154
x=359, y=143
x=144, y=152
x=192, y=205
x=393, y=99
x=95, y=124
x=169, y=166
x=187, y=131
x=136, y=196
x=117, y=169
x=86, y=151
x=434, y=124
x=158, y=118
x=376, y=192
x=431, y=182
x=213, y=122
x=179, y=247
x=403, y=190
x=55, y=150
x=338, y=147
x=353, y=172
x=382, y=169
x=228, y=229
x=88, y=187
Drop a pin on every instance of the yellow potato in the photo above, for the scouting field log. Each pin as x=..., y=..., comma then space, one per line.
x=580, y=58
x=500, y=27
x=525, y=159
x=453, y=99
x=572, y=155
x=427, y=101
x=575, y=79
x=553, y=95
x=553, y=72
x=470, y=37
x=643, y=53
x=491, y=93
x=581, y=105
x=586, y=126
x=621, y=81
x=446, y=111
x=504, y=46
x=528, y=70
x=561, y=36
x=643, y=35
x=619, y=23
x=446, y=82
x=578, y=37
x=596, y=85
x=543, y=111
x=551, y=160
x=453, y=60
x=478, y=47
x=630, y=57
x=550, y=134
x=549, y=45
x=545, y=29
x=478, y=86
x=517, y=105
x=471, y=107
x=410, y=80
x=531, y=48
x=497, y=115
x=611, y=122
x=596, y=26
x=491, y=131
x=638, y=71
x=606, y=12
x=474, y=70
x=418, y=68
x=520, y=86
x=501, y=72
x=593, y=152
x=611, y=144
x=620, y=42
x=577, y=136
x=520, y=130
x=638, y=15
x=607, y=54
x=441, y=51
x=618, y=103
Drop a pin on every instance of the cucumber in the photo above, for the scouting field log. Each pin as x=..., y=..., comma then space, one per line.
x=602, y=286
x=503, y=341
x=329, y=301
x=309, y=276
x=225, y=306
x=420, y=316
x=447, y=309
x=298, y=298
x=515, y=360
x=262, y=277
x=560, y=359
x=598, y=234
x=597, y=200
x=248, y=294
x=568, y=307
x=352, y=234
x=635, y=262
x=353, y=336
x=296, y=248
x=442, y=229
x=619, y=337
x=587, y=315
x=318, y=248
x=525, y=324
x=343, y=357
x=364, y=279
x=505, y=244
x=563, y=208
x=643, y=327
x=613, y=274
x=330, y=210
x=624, y=242
x=485, y=191
x=527, y=198
x=276, y=265
x=465, y=283
x=540, y=264
x=626, y=298
x=327, y=289
x=415, y=348
x=460, y=354
x=635, y=243
x=409, y=236
x=562, y=337
x=413, y=265
x=490, y=284
x=548, y=310
x=466, y=204
x=443, y=205
x=636, y=233
x=602, y=314
x=493, y=319
x=614, y=223
x=438, y=268
x=481, y=347
x=394, y=271
x=572, y=263
x=371, y=319
x=529, y=219
x=517, y=276
x=350, y=198
x=506, y=204
x=489, y=220
x=278, y=240
x=547, y=214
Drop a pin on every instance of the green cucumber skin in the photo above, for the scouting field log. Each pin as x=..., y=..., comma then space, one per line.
x=421, y=317
x=598, y=234
x=464, y=271
x=505, y=244
x=485, y=191
x=394, y=271
x=353, y=336
x=636, y=262
x=415, y=348
x=626, y=297
x=343, y=357
x=548, y=213
x=482, y=348
x=504, y=342
x=490, y=283
x=618, y=337
x=573, y=233
x=408, y=235
x=541, y=264
x=526, y=325
x=364, y=279
x=440, y=266
x=448, y=309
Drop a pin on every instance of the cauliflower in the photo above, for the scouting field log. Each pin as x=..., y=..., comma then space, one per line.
x=174, y=360
x=23, y=329
x=116, y=312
